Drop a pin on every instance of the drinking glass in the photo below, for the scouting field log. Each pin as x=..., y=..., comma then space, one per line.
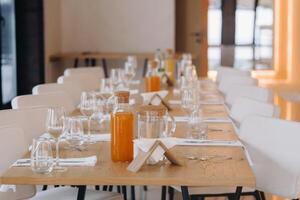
x=87, y=103
x=116, y=76
x=74, y=133
x=106, y=88
x=197, y=128
x=190, y=100
x=41, y=156
x=54, y=122
x=129, y=73
x=133, y=61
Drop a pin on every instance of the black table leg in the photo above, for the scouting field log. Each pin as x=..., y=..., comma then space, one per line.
x=81, y=192
x=163, y=192
x=238, y=192
x=93, y=62
x=145, y=67
x=124, y=191
x=76, y=62
x=171, y=193
x=132, y=189
x=104, y=67
x=45, y=187
x=185, y=193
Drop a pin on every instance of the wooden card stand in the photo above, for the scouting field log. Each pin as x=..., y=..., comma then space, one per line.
x=169, y=81
x=142, y=157
x=163, y=102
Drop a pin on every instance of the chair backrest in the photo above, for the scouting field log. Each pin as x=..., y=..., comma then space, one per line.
x=273, y=145
x=58, y=99
x=32, y=121
x=244, y=107
x=230, y=71
x=97, y=70
x=13, y=147
x=87, y=82
x=253, y=92
x=230, y=81
x=73, y=89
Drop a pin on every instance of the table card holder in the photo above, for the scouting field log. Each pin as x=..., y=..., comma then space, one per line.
x=163, y=102
x=142, y=157
x=169, y=81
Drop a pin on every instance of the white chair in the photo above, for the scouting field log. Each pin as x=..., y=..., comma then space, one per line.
x=58, y=99
x=244, y=107
x=87, y=82
x=31, y=121
x=230, y=81
x=97, y=70
x=253, y=92
x=13, y=147
x=230, y=71
x=72, y=89
x=273, y=145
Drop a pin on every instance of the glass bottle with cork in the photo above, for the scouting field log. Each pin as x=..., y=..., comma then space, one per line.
x=152, y=79
x=122, y=129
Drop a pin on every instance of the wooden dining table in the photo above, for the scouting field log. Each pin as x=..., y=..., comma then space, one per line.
x=232, y=171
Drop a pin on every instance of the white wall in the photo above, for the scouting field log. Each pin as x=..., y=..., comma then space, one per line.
x=107, y=26
x=117, y=25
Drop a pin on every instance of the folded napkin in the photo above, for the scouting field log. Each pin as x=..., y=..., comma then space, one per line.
x=134, y=91
x=212, y=102
x=146, y=143
x=101, y=137
x=156, y=101
x=217, y=120
x=72, y=162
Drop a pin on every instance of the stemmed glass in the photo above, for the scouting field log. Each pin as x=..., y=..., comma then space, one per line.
x=73, y=132
x=129, y=73
x=133, y=61
x=87, y=103
x=54, y=122
x=116, y=76
x=190, y=100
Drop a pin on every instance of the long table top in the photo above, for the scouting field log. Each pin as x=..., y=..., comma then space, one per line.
x=234, y=171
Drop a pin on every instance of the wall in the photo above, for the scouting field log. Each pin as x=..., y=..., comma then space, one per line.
x=106, y=25
x=117, y=25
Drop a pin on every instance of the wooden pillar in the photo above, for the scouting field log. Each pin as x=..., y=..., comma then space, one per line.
x=203, y=61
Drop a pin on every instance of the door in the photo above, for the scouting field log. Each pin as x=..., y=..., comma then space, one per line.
x=191, y=31
x=8, y=85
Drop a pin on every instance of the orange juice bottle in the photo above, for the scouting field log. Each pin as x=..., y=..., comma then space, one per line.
x=122, y=129
x=152, y=79
x=170, y=64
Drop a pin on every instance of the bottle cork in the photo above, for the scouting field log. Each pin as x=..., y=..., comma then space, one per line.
x=122, y=96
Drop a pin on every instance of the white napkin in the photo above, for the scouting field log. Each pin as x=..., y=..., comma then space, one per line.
x=101, y=137
x=146, y=143
x=148, y=95
x=217, y=120
x=134, y=91
x=181, y=118
x=212, y=102
x=84, y=161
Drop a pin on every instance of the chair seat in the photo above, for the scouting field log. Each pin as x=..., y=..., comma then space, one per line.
x=213, y=190
x=68, y=193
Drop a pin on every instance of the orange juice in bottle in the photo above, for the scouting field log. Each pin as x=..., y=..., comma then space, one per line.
x=122, y=128
x=170, y=64
x=152, y=79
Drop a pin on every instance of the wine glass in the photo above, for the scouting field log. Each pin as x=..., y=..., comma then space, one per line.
x=129, y=73
x=190, y=100
x=133, y=61
x=116, y=76
x=106, y=88
x=87, y=103
x=73, y=132
x=54, y=122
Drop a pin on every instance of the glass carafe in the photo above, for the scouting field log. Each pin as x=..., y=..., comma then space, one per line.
x=155, y=122
x=122, y=130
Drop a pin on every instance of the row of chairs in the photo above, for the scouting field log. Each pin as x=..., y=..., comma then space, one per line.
x=27, y=119
x=272, y=143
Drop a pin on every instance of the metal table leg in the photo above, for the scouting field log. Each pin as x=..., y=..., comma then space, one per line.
x=76, y=62
x=238, y=192
x=163, y=192
x=185, y=193
x=145, y=67
x=104, y=67
x=81, y=192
